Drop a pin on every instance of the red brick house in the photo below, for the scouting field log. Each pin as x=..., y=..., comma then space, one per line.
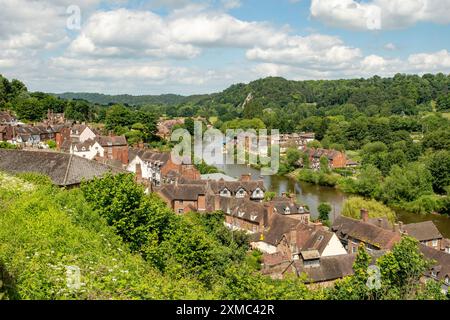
x=336, y=159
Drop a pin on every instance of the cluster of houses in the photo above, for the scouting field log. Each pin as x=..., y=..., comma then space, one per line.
x=281, y=228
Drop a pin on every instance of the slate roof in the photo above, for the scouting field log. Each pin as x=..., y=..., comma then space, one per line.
x=364, y=231
x=112, y=141
x=331, y=267
x=149, y=155
x=244, y=209
x=217, y=176
x=441, y=259
x=185, y=192
x=234, y=186
x=423, y=231
x=319, y=152
x=278, y=226
x=281, y=204
x=64, y=169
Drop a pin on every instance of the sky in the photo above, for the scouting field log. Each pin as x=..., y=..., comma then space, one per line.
x=203, y=46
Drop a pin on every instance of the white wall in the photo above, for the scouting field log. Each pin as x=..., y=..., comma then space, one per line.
x=264, y=247
x=334, y=247
x=86, y=135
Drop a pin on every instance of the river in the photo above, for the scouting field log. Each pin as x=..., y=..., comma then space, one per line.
x=313, y=195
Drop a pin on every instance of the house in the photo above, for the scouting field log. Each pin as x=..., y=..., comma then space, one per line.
x=81, y=133
x=323, y=271
x=6, y=133
x=310, y=237
x=244, y=214
x=64, y=169
x=426, y=232
x=440, y=271
x=6, y=118
x=277, y=226
x=295, y=140
x=184, y=198
x=245, y=187
x=114, y=147
x=165, y=127
x=157, y=167
x=336, y=159
x=351, y=232
x=89, y=149
x=287, y=206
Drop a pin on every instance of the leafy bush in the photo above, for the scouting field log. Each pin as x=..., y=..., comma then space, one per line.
x=353, y=205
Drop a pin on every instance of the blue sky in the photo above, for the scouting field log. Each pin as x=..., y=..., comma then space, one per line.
x=186, y=47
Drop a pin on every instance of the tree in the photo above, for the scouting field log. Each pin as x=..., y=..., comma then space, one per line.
x=401, y=269
x=439, y=166
x=118, y=116
x=324, y=209
x=292, y=157
x=189, y=125
x=30, y=109
x=369, y=181
x=353, y=205
x=443, y=102
x=324, y=164
x=407, y=183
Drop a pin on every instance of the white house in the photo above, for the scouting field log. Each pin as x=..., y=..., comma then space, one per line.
x=88, y=149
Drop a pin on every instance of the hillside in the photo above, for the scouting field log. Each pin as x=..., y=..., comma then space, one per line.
x=272, y=92
x=103, y=99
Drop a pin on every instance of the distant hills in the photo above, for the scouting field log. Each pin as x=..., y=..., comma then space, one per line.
x=104, y=99
x=271, y=92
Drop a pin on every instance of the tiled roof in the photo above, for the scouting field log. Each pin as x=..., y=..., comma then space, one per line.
x=112, y=141
x=331, y=267
x=366, y=232
x=185, y=192
x=244, y=209
x=423, y=231
x=64, y=169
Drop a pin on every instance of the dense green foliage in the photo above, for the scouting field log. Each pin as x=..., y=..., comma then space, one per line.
x=400, y=271
x=135, y=248
x=353, y=205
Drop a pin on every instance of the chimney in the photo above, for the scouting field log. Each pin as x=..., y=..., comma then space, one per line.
x=364, y=215
x=396, y=227
x=138, y=171
x=380, y=222
x=246, y=177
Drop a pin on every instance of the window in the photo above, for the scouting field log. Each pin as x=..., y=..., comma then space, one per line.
x=434, y=243
x=354, y=249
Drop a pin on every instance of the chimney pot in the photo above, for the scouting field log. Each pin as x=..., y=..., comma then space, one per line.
x=364, y=215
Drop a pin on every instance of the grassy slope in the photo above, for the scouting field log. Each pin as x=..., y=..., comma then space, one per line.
x=44, y=230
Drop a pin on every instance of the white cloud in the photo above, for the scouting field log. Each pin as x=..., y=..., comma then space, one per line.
x=430, y=62
x=379, y=14
x=231, y=4
x=390, y=46
x=182, y=34
x=317, y=51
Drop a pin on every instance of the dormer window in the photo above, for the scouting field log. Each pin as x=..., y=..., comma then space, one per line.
x=433, y=273
x=253, y=217
x=447, y=280
x=241, y=214
x=287, y=210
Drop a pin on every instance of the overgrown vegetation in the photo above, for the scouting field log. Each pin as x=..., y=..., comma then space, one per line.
x=134, y=247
